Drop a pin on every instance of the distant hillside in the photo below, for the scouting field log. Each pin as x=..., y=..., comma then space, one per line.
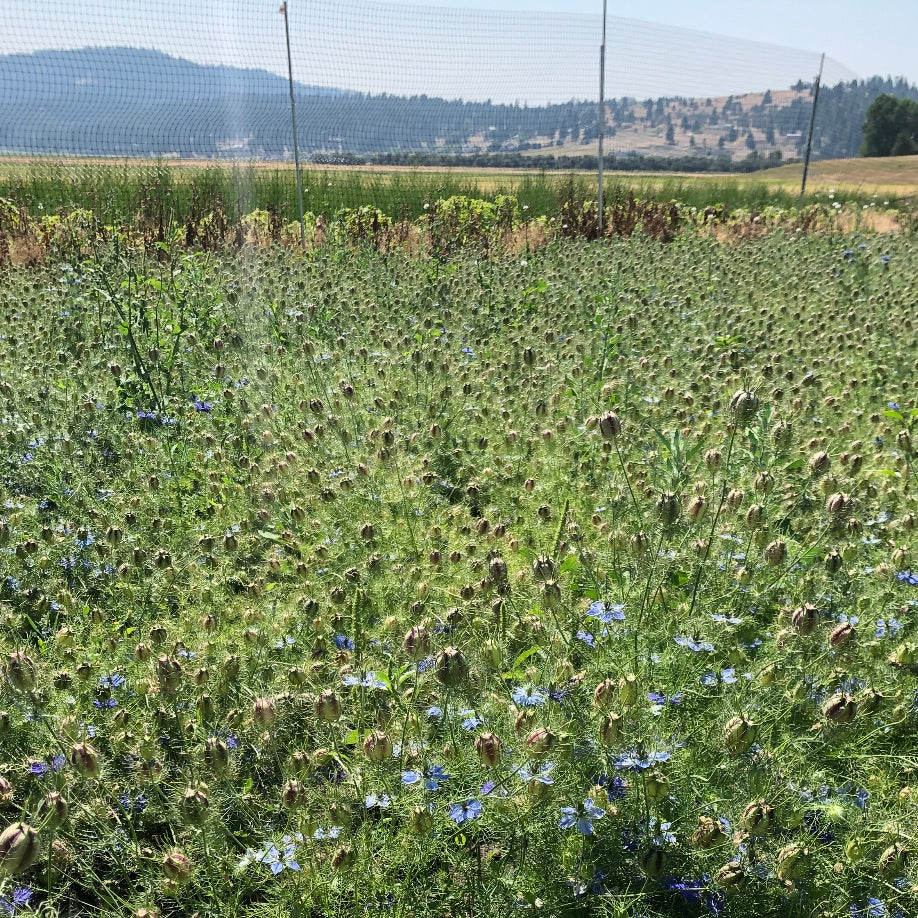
x=139, y=102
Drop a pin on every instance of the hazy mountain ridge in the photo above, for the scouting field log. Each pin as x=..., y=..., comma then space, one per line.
x=140, y=102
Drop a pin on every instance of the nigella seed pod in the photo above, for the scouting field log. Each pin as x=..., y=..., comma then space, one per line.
x=19, y=848
x=834, y=562
x=610, y=426
x=543, y=568
x=54, y=808
x=216, y=755
x=343, y=858
x=819, y=463
x=421, y=820
x=377, y=747
x=739, y=735
x=841, y=708
x=168, y=674
x=497, y=570
x=708, y=834
x=668, y=509
x=713, y=459
x=540, y=742
x=627, y=690
x=764, y=483
x=451, y=668
x=85, y=760
x=264, y=713
x=610, y=729
x=744, y=406
x=604, y=694
x=194, y=803
x=292, y=793
x=488, y=747
x=842, y=635
x=655, y=785
x=731, y=875
x=804, y=619
x=654, y=861
x=550, y=594
x=754, y=515
x=893, y=861
x=696, y=507
x=793, y=862
x=757, y=818
x=21, y=671
x=327, y=707
x=177, y=867
x=775, y=553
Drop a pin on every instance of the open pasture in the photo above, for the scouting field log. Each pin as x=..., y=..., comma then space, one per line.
x=573, y=581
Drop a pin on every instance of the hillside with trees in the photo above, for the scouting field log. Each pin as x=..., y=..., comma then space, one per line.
x=124, y=102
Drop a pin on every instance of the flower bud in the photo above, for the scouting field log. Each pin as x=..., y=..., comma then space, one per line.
x=19, y=848
x=488, y=747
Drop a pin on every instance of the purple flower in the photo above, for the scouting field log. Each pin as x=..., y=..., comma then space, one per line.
x=907, y=577
x=20, y=899
x=465, y=812
x=343, y=642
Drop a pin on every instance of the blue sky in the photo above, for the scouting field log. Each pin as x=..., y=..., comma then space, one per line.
x=527, y=50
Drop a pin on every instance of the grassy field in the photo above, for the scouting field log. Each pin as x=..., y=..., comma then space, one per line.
x=577, y=581
x=116, y=191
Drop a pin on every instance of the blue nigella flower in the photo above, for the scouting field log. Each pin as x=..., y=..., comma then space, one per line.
x=606, y=612
x=907, y=577
x=19, y=899
x=465, y=812
x=583, y=822
x=528, y=697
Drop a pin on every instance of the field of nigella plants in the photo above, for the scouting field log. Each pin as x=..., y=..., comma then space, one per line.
x=573, y=581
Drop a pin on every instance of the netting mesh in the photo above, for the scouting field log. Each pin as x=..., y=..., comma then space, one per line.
x=209, y=80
